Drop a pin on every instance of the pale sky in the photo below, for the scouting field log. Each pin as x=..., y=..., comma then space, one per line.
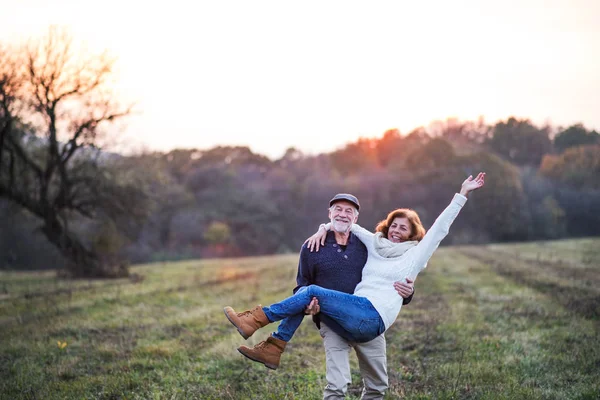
x=319, y=74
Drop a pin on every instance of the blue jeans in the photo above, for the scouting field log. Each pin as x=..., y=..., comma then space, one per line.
x=357, y=317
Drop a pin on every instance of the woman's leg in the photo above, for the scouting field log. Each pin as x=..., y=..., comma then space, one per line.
x=268, y=352
x=354, y=314
x=289, y=307
x=288, y=326
x=290, y=310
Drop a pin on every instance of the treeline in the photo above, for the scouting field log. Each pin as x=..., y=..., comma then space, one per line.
x=542, y=183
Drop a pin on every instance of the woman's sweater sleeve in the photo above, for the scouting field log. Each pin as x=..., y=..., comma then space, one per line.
x=438, y=231
x=363, y=235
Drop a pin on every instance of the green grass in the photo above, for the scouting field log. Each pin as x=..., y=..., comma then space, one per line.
x=488, y=322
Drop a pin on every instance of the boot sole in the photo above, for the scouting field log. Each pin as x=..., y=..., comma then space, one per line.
x=237, y=327
x=270, y=366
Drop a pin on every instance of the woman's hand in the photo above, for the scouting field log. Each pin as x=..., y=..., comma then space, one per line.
x=471, y=184
x=317, y=240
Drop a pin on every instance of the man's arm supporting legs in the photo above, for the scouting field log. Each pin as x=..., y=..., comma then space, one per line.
x=373, y=367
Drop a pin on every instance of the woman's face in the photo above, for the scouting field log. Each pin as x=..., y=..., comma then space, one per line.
x=399, y=230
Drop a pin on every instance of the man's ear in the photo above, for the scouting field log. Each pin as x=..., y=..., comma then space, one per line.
x=355, y=219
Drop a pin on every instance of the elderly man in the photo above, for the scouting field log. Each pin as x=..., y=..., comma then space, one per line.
x=338, y=265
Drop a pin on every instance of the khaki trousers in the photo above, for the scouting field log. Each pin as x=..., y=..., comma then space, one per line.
x=371, y=360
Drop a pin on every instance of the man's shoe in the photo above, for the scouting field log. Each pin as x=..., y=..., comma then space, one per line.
x=247, y=322
x=267, y=352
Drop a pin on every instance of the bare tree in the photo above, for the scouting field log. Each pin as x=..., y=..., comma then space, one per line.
x=54, y=105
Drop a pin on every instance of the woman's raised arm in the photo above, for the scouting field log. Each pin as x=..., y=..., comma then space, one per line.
x=440, y=228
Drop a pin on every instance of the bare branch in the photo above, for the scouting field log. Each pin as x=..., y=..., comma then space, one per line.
x=65, y=99
x=22, y=200
x=22, y=154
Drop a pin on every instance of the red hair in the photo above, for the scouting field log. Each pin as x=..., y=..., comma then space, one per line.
x=417, y=231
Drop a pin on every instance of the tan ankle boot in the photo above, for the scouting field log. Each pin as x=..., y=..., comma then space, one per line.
x=267, y=352
x=247, y=322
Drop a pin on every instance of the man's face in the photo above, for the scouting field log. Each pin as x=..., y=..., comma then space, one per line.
x=342, y=215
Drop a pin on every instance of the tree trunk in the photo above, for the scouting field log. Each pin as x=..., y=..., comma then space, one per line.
x=81, y=262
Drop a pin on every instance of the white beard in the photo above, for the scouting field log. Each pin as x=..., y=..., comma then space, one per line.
x=341, y=227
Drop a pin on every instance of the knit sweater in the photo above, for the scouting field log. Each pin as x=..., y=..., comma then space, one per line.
x=333, y=266
x=379, y=272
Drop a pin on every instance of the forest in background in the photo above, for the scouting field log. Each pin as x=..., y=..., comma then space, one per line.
x=67, y=202
x=542, y=183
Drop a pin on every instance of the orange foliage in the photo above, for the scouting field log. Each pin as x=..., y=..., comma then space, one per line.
x=577, y=166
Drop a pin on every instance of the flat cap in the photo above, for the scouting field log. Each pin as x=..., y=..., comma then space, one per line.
x=345, y=197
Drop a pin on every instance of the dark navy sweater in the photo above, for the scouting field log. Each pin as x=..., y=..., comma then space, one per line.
x=333, y=266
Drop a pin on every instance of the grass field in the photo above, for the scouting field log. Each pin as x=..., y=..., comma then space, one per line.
x=487, y=322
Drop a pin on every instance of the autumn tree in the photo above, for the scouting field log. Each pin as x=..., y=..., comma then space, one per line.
x=435, y=154
x=575, y=135
x=575, y=174
x=54, y=106
x=578, y=167
x=354, y=157
x=520, y=142
x=465, y=135
x=389, y=147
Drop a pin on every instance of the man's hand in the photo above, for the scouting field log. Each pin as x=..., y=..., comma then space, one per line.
x=405, y=289
x=313, y=307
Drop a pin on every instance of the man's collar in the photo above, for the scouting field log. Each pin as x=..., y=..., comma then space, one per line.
x=331, y=238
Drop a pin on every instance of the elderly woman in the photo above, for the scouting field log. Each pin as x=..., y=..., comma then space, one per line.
x=399, y=250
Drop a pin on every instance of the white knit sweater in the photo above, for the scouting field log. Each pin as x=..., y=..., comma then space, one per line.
x=380, y=273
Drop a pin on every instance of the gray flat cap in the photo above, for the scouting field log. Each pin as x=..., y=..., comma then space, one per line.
x=345, y=197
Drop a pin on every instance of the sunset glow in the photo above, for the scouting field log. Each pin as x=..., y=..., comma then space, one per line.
x=317, y=75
